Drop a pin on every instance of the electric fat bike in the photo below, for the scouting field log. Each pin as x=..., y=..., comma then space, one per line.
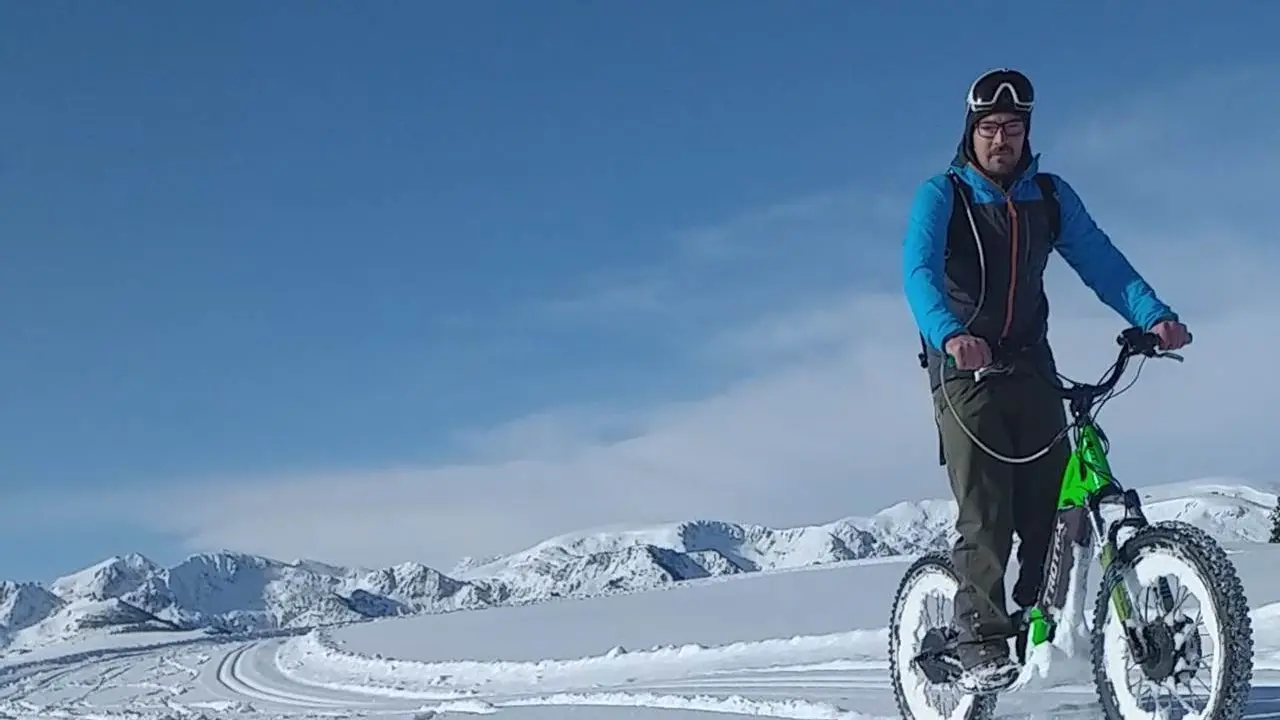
x=1141, y=632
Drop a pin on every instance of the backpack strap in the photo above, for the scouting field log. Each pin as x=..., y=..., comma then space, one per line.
x=959, y=196
x=1049, y=191
x=959, y=199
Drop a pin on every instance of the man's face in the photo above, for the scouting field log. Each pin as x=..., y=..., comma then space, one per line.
x=998, y=140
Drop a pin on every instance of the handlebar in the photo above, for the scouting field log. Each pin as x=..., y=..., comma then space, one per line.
x=1133, y=341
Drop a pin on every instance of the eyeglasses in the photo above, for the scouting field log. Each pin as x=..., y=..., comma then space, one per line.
x=1011, y=128
x=985, y=92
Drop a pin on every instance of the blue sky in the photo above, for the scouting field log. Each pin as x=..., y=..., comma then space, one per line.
x=379, y=282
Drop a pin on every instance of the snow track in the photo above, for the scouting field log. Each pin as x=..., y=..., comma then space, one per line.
x=770, y=678
x=289, y=678
x=253, y=672
x=249, y=673
x=247, y=680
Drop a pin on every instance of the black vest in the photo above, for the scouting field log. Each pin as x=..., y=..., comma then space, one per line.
x=995, y=284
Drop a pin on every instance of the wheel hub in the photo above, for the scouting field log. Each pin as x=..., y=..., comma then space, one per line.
x=934, y=660
x=1171, y=649
x=1159, y=656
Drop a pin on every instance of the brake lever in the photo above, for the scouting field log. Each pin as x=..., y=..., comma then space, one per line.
x=995, y=368
x=1170, y=355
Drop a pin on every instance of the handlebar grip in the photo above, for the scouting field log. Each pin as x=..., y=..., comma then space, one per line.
x=1190, y=337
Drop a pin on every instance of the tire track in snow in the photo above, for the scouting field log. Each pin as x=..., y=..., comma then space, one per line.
x=740, y=678
x=793, y=691
x=315, y=659
x=794, y=687
x=241, y=673
x=248, y=673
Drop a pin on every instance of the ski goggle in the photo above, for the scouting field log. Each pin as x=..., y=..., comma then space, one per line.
x=985, y=92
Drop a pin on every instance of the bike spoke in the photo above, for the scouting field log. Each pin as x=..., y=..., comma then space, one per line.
x=944, y=700
x=1194, y=694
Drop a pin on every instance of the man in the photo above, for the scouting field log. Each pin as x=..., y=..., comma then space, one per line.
x=973, y=263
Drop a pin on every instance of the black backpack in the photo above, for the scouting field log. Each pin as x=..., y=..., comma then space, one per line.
x=960, y=198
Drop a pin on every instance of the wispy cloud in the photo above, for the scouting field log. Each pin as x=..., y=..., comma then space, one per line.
x=793, y=250
x=825, y=412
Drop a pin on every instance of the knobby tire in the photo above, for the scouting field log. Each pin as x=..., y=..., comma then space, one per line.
x=984, y=706
x=1235, y=642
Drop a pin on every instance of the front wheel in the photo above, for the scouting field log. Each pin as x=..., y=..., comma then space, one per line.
x=920, y=620
x=1194, y=626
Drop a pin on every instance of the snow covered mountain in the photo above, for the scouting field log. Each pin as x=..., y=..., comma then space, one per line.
x=23, y=605
x=589, y=562
x=228, y=592
x=237, y=592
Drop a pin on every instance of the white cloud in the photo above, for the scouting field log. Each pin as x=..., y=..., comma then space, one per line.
x=826, y=413
x=550, y=435
x=755, y=264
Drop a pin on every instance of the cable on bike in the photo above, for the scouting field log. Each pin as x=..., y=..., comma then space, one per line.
x=987, y=449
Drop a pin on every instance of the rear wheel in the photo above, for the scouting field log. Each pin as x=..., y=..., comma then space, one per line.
x=1195, y=626
x=921, y=619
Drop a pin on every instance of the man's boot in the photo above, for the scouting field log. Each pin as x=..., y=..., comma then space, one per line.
x=994, y=674
x=984, y=656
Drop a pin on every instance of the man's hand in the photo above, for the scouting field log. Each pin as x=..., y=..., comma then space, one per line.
x=969, y=352
x=1172, y=333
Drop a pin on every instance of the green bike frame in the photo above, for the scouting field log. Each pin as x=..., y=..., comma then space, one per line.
x=1087, y=484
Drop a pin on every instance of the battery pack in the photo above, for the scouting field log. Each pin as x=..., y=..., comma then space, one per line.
x=1071, y=532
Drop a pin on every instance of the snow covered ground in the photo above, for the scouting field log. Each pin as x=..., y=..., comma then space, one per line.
x=795, y=642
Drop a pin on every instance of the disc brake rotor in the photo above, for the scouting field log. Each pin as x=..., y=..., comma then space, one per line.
x=1173, y=647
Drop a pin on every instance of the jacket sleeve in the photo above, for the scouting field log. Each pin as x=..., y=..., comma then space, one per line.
x=1101, y=265
x=923, y=263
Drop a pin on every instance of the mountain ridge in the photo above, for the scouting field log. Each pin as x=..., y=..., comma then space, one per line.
x=234, y=592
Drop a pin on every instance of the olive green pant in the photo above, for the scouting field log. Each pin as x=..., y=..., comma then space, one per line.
x=1015, y=416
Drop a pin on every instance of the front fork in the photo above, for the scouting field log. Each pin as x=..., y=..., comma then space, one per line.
x=1078, y=527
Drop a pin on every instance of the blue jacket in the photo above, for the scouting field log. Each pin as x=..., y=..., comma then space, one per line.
x=993, y=283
